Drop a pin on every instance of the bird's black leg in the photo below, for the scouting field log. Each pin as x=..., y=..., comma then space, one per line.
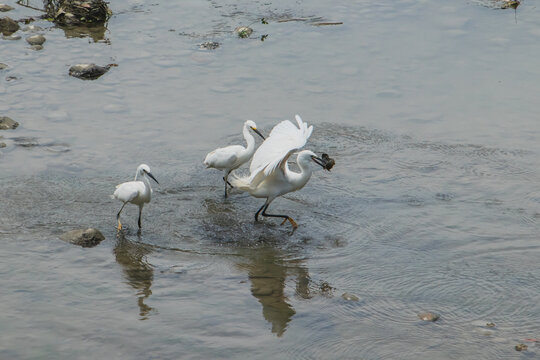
x=225, y=178
x=140, y=214
x=118, y=217
x=284, y=217
x=258, y=211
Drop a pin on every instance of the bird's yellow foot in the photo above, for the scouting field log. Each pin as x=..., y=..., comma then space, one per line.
x=293, y=223
x=119, y=226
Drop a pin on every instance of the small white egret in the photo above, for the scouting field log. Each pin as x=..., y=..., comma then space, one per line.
x=135, y=192
x=232, y=157
x=270, y=174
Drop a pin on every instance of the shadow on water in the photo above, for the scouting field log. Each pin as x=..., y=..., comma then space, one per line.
x=139, y=274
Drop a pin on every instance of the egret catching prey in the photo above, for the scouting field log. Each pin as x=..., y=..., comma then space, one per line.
x=232, y=157
x=270, y=174
x=135, y=192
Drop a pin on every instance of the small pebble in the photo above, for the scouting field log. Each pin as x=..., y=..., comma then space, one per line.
x=490, y=324
x=243, y=31
x=350, y=297
x=428, y=316
x=2, y=145
x=36, y=39
x=521, y=347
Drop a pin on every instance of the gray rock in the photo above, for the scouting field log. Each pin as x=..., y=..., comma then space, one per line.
x=89, y=71
x=4, y=7
x=7, y=123
x=8, y=26
x=36, y=39
x=243, y=31
x=429, y=316
x=11, y=37
x=83, y=237
x=3, y=66
x=350, y=297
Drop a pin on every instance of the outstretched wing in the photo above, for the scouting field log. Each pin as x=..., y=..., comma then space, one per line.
x=284, y=139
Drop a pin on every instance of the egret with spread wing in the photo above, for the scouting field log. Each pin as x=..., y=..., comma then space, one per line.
x=270, y=174
x=232, y=157
x=135, y=192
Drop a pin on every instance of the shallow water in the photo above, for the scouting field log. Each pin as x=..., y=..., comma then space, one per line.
x=429, y=108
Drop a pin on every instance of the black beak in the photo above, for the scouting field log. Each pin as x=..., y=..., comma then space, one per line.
x=152, y=177
x=318, y=161
x=258, y=133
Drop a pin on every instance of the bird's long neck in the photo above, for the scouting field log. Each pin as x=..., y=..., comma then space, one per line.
x=250, y=140
x=299, y=179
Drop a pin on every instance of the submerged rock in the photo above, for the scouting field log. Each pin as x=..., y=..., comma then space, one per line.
x=32, y=28
x=3, y=66
x=5, y=7
x=209, y=45
x=243, y=31
x=83, y=237
x=36, y=39
x=89, y=71
x=428, y=316
x=11, y=37
x=2, y=145
x=8, y=26
x=521, y=347
x=37, y=47
x=7, y=123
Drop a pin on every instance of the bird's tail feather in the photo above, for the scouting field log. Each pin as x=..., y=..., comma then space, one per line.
x=239, y=182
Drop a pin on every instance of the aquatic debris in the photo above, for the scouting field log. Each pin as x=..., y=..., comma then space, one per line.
x=8, y=26
x=328, y=162
x=243, y=31
x=350, y=297
x=5, y=7
x=329, y=23
x=521, y=347
x=429, y=316
x=83, y=237
x=89, y=71
x=7, y=123
x=36, y=39
x=209, y=45
x=76, y=12
x=510, y=4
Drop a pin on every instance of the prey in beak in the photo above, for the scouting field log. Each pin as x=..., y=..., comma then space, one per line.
x=326, y=162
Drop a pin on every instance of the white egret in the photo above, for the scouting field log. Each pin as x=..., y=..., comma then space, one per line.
x=232, y=157
x=135, y=192
x=270, y=174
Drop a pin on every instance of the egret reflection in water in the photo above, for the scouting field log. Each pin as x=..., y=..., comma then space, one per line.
x=138, y=272
x=268, y=272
